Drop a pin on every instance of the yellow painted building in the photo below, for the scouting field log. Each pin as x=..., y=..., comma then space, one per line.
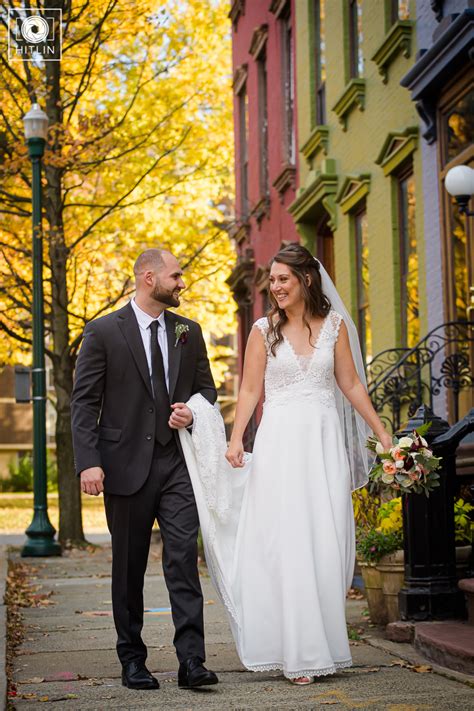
x=359, y=202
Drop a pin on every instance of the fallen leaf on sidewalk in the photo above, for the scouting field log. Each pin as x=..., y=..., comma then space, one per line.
x=419, y=668
x=422, y=668
x=400, y=663
x=329, y=703
x=34, y=680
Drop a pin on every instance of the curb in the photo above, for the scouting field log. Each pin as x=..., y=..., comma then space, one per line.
x=3, y=628
x=408, y=653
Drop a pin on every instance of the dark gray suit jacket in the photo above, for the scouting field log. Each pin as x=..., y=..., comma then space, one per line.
x=113, y=410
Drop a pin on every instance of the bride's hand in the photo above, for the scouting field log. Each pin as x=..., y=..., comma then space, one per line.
x=235, y=454
x=386, y=441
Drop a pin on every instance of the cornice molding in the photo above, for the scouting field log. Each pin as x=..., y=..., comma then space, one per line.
x=240, y=77
x=396, y=148
x=241, y=278
x=258, y=41
x=320, y=193
x=285, y=180
x=352, y=96
x=279, y=7
x=236, y=10
x=397, y=40
x=318, y=140
x=353, y=190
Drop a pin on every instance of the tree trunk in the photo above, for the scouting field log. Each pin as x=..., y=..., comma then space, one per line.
x=70, y=514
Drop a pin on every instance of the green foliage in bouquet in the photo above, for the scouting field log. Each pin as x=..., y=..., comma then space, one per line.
x=409, y=466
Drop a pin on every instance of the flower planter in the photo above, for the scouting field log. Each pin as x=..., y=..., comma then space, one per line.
x=373, y=590
x=392, y=572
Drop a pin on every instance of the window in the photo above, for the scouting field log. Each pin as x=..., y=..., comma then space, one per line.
x=455, y=122
x=459, y=125
x=289, y=141
x=356, y=60
x=263, y=122
x=319, y=53
x=399, y=10
x=362, y=264
x=244, y=151
x=409, y=292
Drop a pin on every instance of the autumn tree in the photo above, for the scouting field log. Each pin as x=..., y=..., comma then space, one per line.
x=138, y=155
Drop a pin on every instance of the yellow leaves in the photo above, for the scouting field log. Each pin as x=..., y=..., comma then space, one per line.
x=143, y=156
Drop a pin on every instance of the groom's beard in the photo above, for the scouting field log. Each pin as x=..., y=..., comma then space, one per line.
x=170, y=298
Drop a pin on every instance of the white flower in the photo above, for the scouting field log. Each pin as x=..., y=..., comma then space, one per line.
x=424, y=442
x=427, y=453
x=405, y=442
x=399, y=463
x=379, y=448
x=387, y=478
x=406, y=482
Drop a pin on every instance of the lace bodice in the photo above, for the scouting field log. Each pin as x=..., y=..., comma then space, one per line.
x=288, y=375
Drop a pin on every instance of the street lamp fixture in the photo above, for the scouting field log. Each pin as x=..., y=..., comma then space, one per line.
x=40, y=533
x=459, y=183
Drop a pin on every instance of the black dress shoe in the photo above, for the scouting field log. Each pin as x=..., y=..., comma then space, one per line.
x=135, y=675
x=192, y=674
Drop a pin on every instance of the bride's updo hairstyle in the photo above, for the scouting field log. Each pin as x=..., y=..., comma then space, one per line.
x=316, y=304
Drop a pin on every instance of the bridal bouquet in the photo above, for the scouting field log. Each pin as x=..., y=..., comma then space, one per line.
x=408, y=467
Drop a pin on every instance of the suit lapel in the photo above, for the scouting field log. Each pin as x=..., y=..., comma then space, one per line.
x=174, y=353
x=129, y=326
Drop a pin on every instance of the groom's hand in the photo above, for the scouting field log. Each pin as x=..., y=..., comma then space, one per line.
x=92, y=481
x=181, y=416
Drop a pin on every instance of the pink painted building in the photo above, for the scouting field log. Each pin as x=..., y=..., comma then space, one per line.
x=265, y=146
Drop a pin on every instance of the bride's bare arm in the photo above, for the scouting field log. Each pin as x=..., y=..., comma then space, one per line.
x=249, y=394
x=355, y=392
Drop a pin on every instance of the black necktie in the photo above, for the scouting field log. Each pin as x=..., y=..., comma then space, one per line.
x=162, y=401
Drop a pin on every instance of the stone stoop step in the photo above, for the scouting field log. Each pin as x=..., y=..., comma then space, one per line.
x=450, y=644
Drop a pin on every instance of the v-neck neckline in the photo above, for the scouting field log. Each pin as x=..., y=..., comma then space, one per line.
x=315, y=347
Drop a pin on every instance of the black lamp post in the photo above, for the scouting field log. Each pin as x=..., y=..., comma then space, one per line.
x=40, y=532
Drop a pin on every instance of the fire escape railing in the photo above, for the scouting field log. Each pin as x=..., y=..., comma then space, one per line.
x=401, y=379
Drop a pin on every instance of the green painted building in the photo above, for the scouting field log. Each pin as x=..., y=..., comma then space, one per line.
x=359, y=200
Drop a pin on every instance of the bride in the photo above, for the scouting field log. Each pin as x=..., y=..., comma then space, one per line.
x=278, y=527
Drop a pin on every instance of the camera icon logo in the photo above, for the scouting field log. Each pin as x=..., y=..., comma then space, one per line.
x=34, y=29
x=35, y=36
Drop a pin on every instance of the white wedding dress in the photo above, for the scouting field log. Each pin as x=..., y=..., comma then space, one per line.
x=279, y=534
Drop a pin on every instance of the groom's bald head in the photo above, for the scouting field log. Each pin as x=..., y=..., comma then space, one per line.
x=149, y=260
x=158, y=277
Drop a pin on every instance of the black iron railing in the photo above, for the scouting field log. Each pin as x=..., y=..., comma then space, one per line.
x=401, y=379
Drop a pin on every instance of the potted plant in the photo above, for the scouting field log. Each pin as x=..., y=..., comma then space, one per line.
x=375, y=548
x=391, y=566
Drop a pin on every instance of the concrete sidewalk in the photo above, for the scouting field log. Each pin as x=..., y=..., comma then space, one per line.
x=68, y=656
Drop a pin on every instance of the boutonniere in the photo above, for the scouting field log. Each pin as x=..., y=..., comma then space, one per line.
x=181, y=333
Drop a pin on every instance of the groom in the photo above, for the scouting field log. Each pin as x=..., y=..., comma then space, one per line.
x=136, y=369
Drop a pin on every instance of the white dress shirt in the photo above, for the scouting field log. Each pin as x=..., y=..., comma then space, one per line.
x=144, y=321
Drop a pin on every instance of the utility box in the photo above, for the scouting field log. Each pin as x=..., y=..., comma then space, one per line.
x=22, y=384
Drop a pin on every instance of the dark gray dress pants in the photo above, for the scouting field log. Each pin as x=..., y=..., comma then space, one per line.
x=167, y=496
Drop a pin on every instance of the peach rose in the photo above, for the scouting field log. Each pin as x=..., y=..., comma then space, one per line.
x=397, y=453
x=389, y=467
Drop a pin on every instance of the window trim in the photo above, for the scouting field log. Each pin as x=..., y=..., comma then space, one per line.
x=406, y=171
x=242, y=98
x=355, y=217
x=318, y=104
